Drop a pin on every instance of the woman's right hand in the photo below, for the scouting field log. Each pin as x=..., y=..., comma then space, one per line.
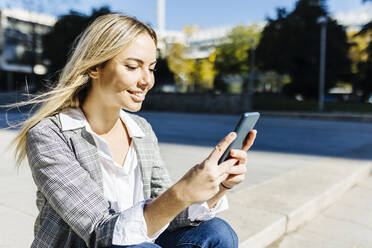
x=202, y=181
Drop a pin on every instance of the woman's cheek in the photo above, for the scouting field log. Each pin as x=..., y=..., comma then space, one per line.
x=130, y=79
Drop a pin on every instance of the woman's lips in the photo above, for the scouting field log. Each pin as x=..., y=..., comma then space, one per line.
x=137, y=96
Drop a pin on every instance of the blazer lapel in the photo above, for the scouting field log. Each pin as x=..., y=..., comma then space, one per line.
x=87, y=154
x=145, y=163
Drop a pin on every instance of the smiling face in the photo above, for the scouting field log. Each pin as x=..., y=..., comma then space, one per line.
x=125, y=79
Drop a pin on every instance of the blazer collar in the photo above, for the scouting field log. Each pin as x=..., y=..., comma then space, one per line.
x=74, y=118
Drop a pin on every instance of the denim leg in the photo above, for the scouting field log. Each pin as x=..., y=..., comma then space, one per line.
x=212, y=233
x=142, y=245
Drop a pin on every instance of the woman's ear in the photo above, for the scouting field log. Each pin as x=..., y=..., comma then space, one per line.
x=94, y=71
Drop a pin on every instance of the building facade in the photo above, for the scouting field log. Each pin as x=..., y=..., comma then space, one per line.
x=21, y=47
x=200, y=43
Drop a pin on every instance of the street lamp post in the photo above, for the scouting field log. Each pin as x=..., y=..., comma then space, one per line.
x=251, y=76
x=323, y=39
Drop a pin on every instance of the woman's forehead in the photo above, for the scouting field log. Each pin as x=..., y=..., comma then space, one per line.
x=142, y=48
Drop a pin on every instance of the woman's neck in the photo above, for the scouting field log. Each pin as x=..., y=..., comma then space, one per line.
x=101, y=117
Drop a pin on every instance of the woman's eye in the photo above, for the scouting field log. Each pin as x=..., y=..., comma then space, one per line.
x=152, y=69
x=131, y=67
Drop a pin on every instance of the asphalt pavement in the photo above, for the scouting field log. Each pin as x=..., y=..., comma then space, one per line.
x=275, y=134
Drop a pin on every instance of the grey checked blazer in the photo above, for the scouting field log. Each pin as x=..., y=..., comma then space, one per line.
x=73, y=211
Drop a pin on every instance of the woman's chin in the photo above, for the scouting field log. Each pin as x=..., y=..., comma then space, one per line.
x=132, y=107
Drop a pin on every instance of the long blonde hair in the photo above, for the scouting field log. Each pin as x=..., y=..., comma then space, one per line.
x=102, y=40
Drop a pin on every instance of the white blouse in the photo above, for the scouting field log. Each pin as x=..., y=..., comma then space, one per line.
x=123, y=185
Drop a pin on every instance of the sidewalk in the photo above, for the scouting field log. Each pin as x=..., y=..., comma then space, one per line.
x=262, y=214
x=348, y=223
x=282, y=192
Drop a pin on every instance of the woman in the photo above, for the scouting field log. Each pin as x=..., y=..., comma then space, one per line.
x=99, y=176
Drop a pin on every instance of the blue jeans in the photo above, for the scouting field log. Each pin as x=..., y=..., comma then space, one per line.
x=212, y=233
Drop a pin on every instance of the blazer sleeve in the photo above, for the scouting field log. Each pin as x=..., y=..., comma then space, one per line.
x=160, y=181
x=67, y=187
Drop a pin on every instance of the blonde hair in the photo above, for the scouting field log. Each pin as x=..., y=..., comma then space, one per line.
x=102, y=40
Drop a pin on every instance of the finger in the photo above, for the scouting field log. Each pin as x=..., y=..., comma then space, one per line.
x=223, y=177
x=227, y=175
x=220, y=148
x=250, y=140
x=239, y=154
x=238, y=169
x=235, y=179
x=226, y=165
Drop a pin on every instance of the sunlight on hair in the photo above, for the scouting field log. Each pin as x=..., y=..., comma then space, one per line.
x=106, y=37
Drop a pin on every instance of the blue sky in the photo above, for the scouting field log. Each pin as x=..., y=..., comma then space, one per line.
x=204, y=13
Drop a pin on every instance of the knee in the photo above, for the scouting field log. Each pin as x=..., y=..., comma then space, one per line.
x=142, y=245
x=221, y=233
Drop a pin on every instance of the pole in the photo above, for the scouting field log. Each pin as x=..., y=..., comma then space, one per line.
x=251, y=78
x=161, y=16
x=323, y=40
x=33, y=61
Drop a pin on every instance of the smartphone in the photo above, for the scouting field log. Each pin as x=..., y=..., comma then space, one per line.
x=242, y=129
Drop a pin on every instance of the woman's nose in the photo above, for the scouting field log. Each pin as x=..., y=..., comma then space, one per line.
x=146, y=77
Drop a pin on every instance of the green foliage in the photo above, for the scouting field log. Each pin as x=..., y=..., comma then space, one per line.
x=232, y=54
x=364, y=76
x=58, y=43
x=193, y=75
x=290, y=44
x=179, y=65
x=207, y=73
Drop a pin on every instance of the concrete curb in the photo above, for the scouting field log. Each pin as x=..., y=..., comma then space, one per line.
x=311, y=209
x=321, y=116
x=289, y=222
x=267, y=236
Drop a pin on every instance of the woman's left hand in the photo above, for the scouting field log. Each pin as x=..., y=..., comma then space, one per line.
x=237, y=172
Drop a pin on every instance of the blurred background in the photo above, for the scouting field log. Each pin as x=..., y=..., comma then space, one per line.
x=292, y=55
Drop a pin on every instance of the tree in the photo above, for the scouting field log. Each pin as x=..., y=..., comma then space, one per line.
x=207, y=73
x=358, y=49
x=232, y=54
x=364, y=67
x=190, y=74
x=58, y=42
x=179, y=65
x=163, y=75
x=290, y=44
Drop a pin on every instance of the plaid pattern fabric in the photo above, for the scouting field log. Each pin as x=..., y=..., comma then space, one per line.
x=73, y=211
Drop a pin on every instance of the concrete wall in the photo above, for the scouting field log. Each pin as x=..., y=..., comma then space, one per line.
x=203, y=103
x=210, y=103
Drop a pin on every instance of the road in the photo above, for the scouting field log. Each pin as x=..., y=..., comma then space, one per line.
x=275, y=134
